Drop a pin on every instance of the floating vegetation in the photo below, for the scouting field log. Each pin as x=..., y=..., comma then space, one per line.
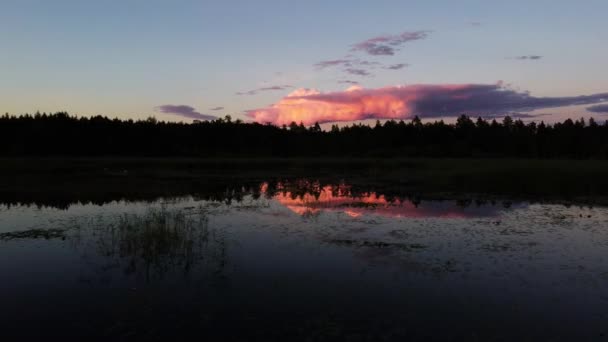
x=376, y=244
x=149, y=244
x=508, y=247
x=46, y=234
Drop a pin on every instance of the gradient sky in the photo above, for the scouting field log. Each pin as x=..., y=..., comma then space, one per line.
x=132, y=58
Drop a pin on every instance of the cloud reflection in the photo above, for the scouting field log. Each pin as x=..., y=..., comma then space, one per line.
x=340, y=199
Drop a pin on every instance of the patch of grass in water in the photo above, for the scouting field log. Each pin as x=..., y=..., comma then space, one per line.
x=376, y=244
x=160, y=241
x=34, y=234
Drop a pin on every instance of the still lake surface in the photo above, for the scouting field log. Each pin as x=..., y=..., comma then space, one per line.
x=305, y=261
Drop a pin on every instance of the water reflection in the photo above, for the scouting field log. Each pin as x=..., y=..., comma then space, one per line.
x=271, y=258
x=301, y=195
x=308, y=199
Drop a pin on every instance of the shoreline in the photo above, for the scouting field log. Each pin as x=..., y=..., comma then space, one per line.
x=100, y=179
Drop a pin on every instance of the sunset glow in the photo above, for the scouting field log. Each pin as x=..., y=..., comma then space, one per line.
x=339, y=199
x=269, y=64
x=309, y=106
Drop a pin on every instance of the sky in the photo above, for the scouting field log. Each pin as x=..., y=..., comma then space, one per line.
x=309, y=61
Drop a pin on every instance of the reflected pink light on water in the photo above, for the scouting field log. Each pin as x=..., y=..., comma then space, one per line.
x=353, y=214
x=339, y=199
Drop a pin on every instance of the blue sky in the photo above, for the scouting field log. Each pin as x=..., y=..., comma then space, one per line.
x=125, y=58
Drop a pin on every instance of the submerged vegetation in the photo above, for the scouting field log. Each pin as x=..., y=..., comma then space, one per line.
x=60, y=134
x=47, y=234
x=147, y=245
x=156, y=242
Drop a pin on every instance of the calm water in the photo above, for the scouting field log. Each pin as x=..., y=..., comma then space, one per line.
x=307, y=262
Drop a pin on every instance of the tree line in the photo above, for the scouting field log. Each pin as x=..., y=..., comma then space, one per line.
x=60, y=134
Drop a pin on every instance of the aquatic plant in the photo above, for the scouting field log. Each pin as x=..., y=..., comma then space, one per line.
x=47, y=234
x=159, y=241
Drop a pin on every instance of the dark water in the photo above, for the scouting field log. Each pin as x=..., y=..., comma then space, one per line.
x=304, y=263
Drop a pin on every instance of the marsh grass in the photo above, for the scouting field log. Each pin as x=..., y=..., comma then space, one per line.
x=376, y=244
x=47, y=234
x=158, y=242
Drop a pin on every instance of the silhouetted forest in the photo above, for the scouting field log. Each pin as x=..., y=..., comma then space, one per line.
x=60, y=134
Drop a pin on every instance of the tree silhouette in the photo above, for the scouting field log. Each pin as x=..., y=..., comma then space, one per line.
x=60, y=134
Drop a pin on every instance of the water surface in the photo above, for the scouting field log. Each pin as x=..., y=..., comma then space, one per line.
x=305, y=261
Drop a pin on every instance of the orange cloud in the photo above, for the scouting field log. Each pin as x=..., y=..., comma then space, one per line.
x=302, y=106
x=400, y=102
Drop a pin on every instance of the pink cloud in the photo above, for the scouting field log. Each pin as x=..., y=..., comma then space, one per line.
x=400, y=102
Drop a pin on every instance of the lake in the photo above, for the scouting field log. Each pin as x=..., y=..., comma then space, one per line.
x=304, y=260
